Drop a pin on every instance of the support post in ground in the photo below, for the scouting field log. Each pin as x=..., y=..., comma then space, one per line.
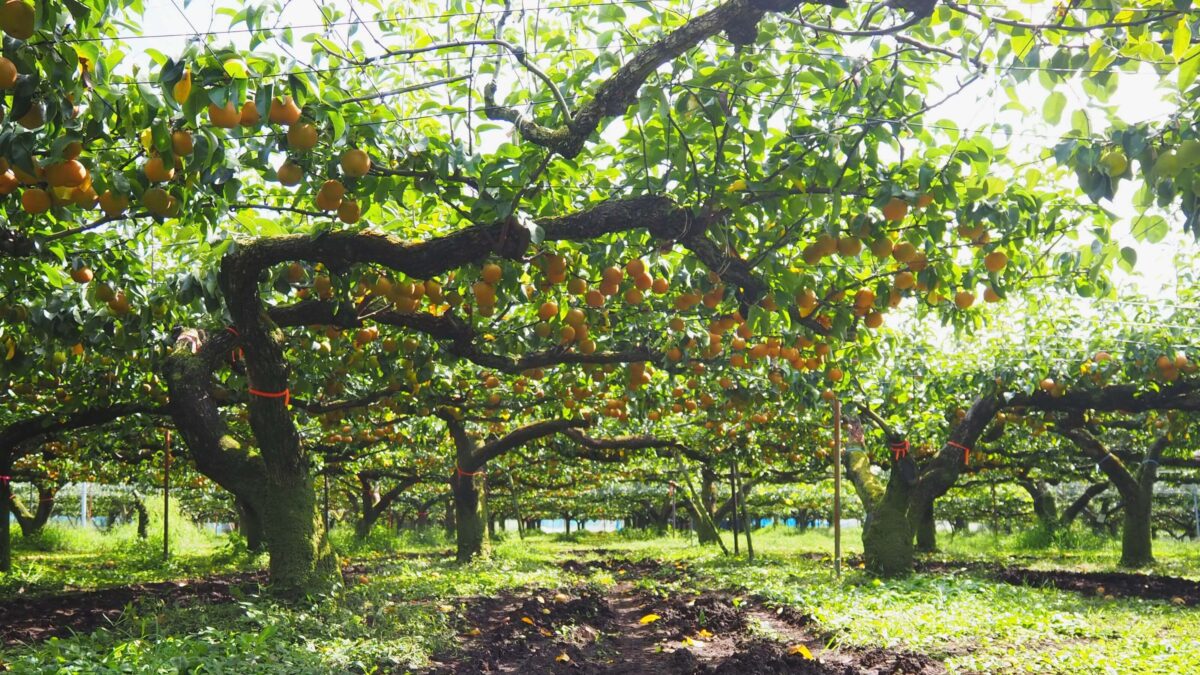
x=745, y=513
x=734, y=497
x=167, y=500
x=837, y=488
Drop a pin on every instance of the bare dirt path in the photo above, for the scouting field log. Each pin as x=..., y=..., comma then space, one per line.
x=625, y=630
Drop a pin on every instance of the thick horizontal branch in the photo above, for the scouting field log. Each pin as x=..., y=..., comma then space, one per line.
x=23, y=431
x=1129, y=398
x=515, y=439
x=460, y=335
x=738, y=19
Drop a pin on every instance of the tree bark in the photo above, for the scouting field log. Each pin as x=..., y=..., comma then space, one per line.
x=939, y=474
x=927, y=530
x=250, y=525
x=301, y=557
x=143, y=517
x=1136, y=533
x=887, y=535
x=1081, y=502
x=1137, y=491
x=469, y=516
x=5, y=525
x=32, y=522
x=1044, y=506
x=277, y=482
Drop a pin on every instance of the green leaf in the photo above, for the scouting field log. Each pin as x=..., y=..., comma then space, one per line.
x=1189, y=68
x=1128, y=258
x=1052, y=110
x=1181, y=40
x=338, y=123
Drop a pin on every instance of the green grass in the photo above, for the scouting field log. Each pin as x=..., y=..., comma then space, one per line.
x=402, y=612
x=65, y=557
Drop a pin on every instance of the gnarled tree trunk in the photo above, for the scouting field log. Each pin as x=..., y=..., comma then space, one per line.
x=1136, y=490
x=32, y=522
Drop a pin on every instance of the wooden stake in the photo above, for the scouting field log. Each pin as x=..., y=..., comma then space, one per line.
x=745, y=513
x=837, y=488
x=734, y=497
x=167, y=500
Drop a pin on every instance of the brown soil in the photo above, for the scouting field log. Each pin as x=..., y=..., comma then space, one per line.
x=24, y=620
x=1104, y=584
x=32, y=619
x=583, y=630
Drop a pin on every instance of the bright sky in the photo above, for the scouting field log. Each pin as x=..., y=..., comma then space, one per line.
x=1138, y=99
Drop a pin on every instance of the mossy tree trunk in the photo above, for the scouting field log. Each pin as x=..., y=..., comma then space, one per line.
x=372, y=504
x=926, y=530
x=276, y=483
x=5, y=521
x=1135, y=487
x=250, y=525
x=903, y=509
x=887, y=537
x=143, y=517
x=1044, y=505
x=471, y=538
x=32, y=522
x=467, y=482
x=301, y=558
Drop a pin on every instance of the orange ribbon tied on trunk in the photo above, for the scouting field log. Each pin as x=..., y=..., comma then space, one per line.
x=460, y=473
x=238, y=352
x=286, y=395
x=965, y=449
x=899, y=449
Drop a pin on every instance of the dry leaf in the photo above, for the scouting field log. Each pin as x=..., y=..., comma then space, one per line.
x=704, y=633
x=801, y=650
x=527, y=620
x=649, y=618
x=562, y=658
x=474, y=632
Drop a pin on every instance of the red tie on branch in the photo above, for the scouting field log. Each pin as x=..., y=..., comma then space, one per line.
x=5, y=480
x=286, y=395
x=899, y=450
x=965, y=449
x=458, y=470
x=237, y=353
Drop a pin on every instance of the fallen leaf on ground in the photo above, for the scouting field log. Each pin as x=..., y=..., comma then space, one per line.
x=649, y=618
x=562, y=658
x=527, y=620
x=801, y=650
